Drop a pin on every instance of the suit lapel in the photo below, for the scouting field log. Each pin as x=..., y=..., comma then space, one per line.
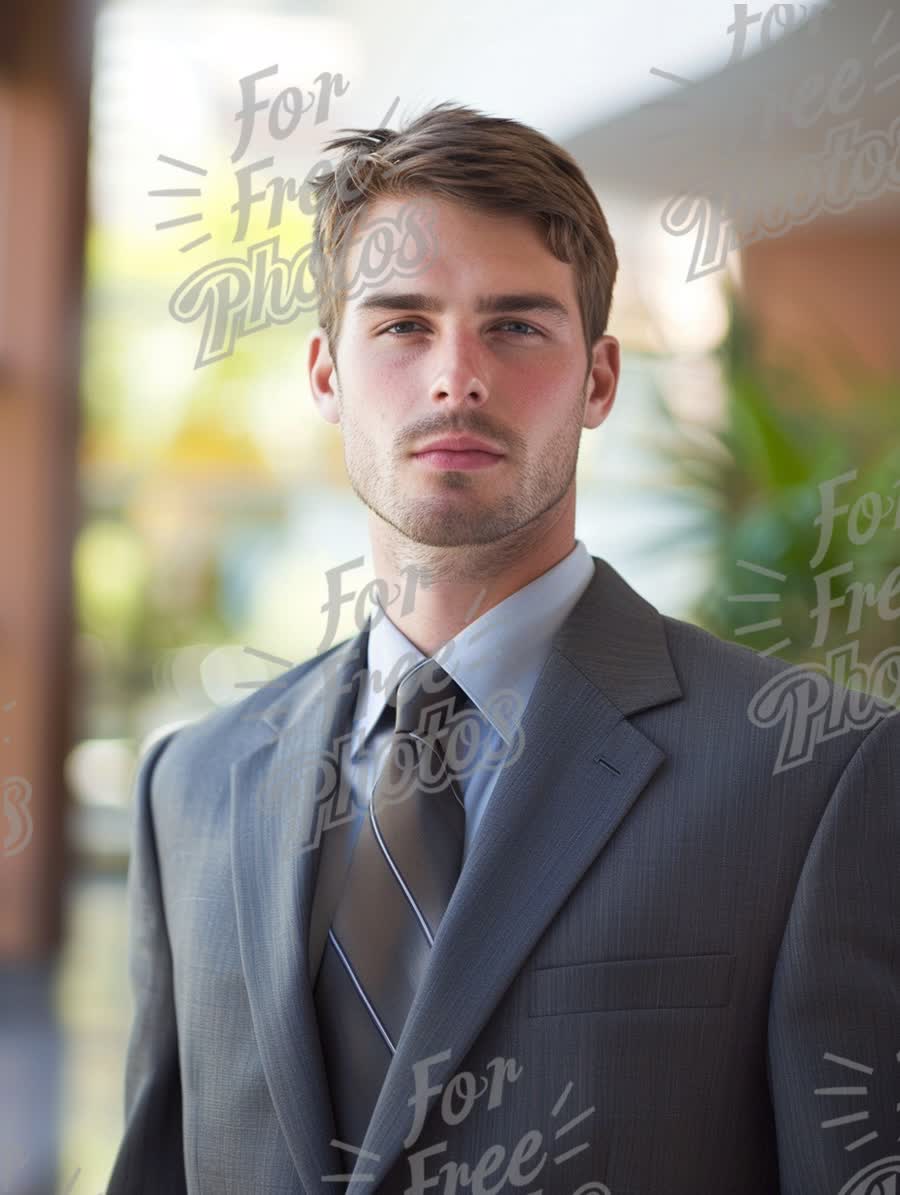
x=275, y=851
x=581, y=768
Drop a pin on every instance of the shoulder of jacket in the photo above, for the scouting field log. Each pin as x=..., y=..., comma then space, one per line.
x=223, y=734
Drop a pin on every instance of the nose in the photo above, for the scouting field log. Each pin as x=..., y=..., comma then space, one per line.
x=459, y=381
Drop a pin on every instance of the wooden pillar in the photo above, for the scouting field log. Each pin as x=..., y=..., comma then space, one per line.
x=44, y=103
x=827, y=303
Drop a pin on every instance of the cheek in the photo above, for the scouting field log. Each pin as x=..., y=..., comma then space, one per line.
x=540, y=390
x=379, y=398
x=392, y=380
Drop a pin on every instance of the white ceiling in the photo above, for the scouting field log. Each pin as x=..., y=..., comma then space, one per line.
x=737, y=129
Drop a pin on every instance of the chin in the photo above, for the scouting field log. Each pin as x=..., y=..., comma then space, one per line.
x=439, y=531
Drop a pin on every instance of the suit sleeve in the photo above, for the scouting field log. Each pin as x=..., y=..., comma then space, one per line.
x=834, y=1013
x=150, y=1157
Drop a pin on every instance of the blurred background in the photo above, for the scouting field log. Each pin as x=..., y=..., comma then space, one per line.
x=170, y=500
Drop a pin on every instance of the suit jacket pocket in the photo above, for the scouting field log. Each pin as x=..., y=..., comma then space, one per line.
x=668, y=981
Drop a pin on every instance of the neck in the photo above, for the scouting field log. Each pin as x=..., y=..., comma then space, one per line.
x=438, y=591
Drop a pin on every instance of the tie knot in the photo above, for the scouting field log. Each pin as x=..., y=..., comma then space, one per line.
x=427, y=699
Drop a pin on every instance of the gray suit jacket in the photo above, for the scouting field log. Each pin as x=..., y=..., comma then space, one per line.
x=671, y=964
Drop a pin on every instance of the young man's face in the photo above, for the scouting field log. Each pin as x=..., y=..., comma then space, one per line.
x=513, y=376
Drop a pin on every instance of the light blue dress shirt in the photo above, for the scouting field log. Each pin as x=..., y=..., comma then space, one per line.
x=496, y=659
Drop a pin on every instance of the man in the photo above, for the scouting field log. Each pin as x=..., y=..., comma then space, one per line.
x=626, y=949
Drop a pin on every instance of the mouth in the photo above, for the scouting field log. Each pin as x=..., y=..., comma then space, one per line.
x=468, y=458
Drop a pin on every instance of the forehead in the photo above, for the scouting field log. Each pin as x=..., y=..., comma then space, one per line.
x=446, y=244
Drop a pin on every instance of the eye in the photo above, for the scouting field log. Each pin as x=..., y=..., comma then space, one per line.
x=398, y=324
x=531, y=331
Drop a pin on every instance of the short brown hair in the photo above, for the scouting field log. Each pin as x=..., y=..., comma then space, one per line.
x=492, y=163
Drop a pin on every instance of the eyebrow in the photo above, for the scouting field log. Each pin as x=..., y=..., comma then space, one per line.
x=485, y=304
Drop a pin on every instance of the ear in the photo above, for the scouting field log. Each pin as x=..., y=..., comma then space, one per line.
x=602, y=381
x=322, y=375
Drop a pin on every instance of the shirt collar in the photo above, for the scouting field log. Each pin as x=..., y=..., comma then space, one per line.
x=496, y=659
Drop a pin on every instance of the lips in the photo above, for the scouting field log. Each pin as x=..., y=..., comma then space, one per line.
x=459, y=460
x=459, y=444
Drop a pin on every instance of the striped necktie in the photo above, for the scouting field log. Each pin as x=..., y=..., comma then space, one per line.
x=405, y=865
